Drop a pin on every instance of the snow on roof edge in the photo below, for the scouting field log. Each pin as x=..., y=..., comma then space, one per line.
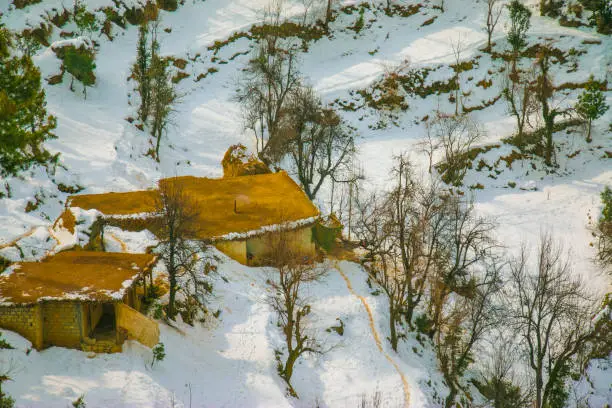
x=268, y=228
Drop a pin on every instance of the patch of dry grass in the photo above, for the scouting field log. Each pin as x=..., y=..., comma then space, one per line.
x=68, y=221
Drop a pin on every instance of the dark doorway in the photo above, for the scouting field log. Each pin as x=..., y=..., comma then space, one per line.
x=106, y=328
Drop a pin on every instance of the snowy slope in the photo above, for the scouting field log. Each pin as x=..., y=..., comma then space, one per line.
x=232, y=363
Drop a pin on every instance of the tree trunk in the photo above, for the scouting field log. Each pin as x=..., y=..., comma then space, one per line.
x=172, y=281
x=159, y=132
x=588, y=139
x=450, y=399
x=544, y=7
x=392, y=328
x=549, y=124
x=539, y=387
x=410, y=312
x=288, y=372
x=328, y=14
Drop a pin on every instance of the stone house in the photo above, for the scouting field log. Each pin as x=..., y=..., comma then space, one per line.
x=236, y=214
x=83, y=300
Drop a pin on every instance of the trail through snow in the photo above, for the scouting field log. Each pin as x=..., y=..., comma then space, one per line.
x=368, y=310
x=20, y=237
x=124, y=247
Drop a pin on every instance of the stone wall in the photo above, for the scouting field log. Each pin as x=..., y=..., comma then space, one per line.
x=100, y=346
x=65, y=323
x=70, y=323
x=25, y=320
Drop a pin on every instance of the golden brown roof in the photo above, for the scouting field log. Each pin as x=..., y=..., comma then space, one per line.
x=85, y=275
x=132, y=202
x=261, y=200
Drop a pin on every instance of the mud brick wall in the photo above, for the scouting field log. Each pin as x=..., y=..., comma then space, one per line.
x=63, y=324
x=301, y=241
x=25, y=320
x=234, y=249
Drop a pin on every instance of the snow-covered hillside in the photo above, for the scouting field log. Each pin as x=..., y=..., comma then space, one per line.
x=230, y=363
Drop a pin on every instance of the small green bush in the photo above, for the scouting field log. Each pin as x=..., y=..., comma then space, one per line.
x=158, y=313
x=4, y=345
x=338, y=329
x=85, y=21
x=23, y=3
x=68, y=189
x=4, y=263
x=79, y=402
x=501, y=393
x=423, y=323
x=159, y=353
x=6, y=401
x=168, y=5
x=359, y=23
x=80, y=63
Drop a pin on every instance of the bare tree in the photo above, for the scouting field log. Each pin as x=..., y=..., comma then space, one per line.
x=178, y=220
x=269, y=79
x=456, y=134
x=373, y=401
x=430, y=145
x=195, y=283
x=418, y=213
x=551, y=310
x=457, y=47
x=494, y=10
x=467, y=319
x=399, y=234
x=346, y=178
x=308, y=5
x=375, y=232
x=328, y=13
x=293, y=271
x=388, y=6
x=316, y=139
x=604, y=247
x=498, y=382
x=544, y=93
x=420, y=244
x=522, y=103
x=163, y=99
x=465, y=243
